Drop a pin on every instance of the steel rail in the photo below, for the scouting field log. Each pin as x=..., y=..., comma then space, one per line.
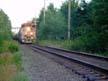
x=57, y=51
x=81, y=53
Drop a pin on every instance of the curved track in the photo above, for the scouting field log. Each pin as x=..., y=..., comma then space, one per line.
x=91, y=67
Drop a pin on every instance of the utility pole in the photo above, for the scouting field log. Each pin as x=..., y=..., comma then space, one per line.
x=44, y=12
x=35, y=27
x=69, y=17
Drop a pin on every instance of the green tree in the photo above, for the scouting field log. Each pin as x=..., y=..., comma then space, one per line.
x=64, y=8
x=81, y=19
x=5, y=26
x=100, y=18
x=54, y=26
x=89, y=25
x=5, y=29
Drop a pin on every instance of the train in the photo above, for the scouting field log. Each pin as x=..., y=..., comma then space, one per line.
x=27, y=33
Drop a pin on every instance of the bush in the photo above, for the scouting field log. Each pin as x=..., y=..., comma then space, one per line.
x=7, y=46
x=4, y=46
x=17, y=60
x=105, y=54
x=6, y=58
x=78, y=45
x=13, y=47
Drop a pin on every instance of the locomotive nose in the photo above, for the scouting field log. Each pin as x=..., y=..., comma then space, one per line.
x=28, y=29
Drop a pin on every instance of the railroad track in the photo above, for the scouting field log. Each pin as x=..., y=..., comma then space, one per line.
x=90, y=67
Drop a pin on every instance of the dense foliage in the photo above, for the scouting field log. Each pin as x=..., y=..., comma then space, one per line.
x=100, y=14
x=10, y=56
x=5, y=26
x=89, y=25
x=5, y=30
x=53, y=28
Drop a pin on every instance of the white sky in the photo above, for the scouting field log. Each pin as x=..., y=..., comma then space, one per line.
x=20, y=11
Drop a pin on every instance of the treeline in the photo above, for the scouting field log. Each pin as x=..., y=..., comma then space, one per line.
x=5, y=26
x=5, y=31
x=89, y=25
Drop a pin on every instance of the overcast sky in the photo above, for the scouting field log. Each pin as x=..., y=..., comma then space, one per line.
x=20, y=11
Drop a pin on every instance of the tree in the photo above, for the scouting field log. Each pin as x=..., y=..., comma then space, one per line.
x=100, y=18
x=79, y=16
x=89, y=25
x=54, y=27
x=5, y=29
x=5, y=26
x=81, y=19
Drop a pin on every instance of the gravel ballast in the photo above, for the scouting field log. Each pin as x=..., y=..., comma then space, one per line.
x=41, y=68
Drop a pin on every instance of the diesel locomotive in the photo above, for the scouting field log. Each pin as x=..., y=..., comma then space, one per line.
x=27, y=33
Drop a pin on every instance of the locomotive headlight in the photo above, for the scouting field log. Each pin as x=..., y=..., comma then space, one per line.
x=32, y=37
x=28, y=29
x=31, y=33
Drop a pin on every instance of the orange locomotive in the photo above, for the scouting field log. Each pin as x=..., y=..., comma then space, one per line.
x=27, y=33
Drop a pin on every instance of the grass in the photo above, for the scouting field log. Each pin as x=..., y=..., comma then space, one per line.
x=52, y=43
x=7, y=71
x=11, y=68
x=21, y=76
x=7, y=66
x=17, y=60
x=66, y=44
x=6, y=58
x=75, y=45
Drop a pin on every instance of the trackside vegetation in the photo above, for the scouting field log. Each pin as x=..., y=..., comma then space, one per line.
x=89, y=26
x=11, y=68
